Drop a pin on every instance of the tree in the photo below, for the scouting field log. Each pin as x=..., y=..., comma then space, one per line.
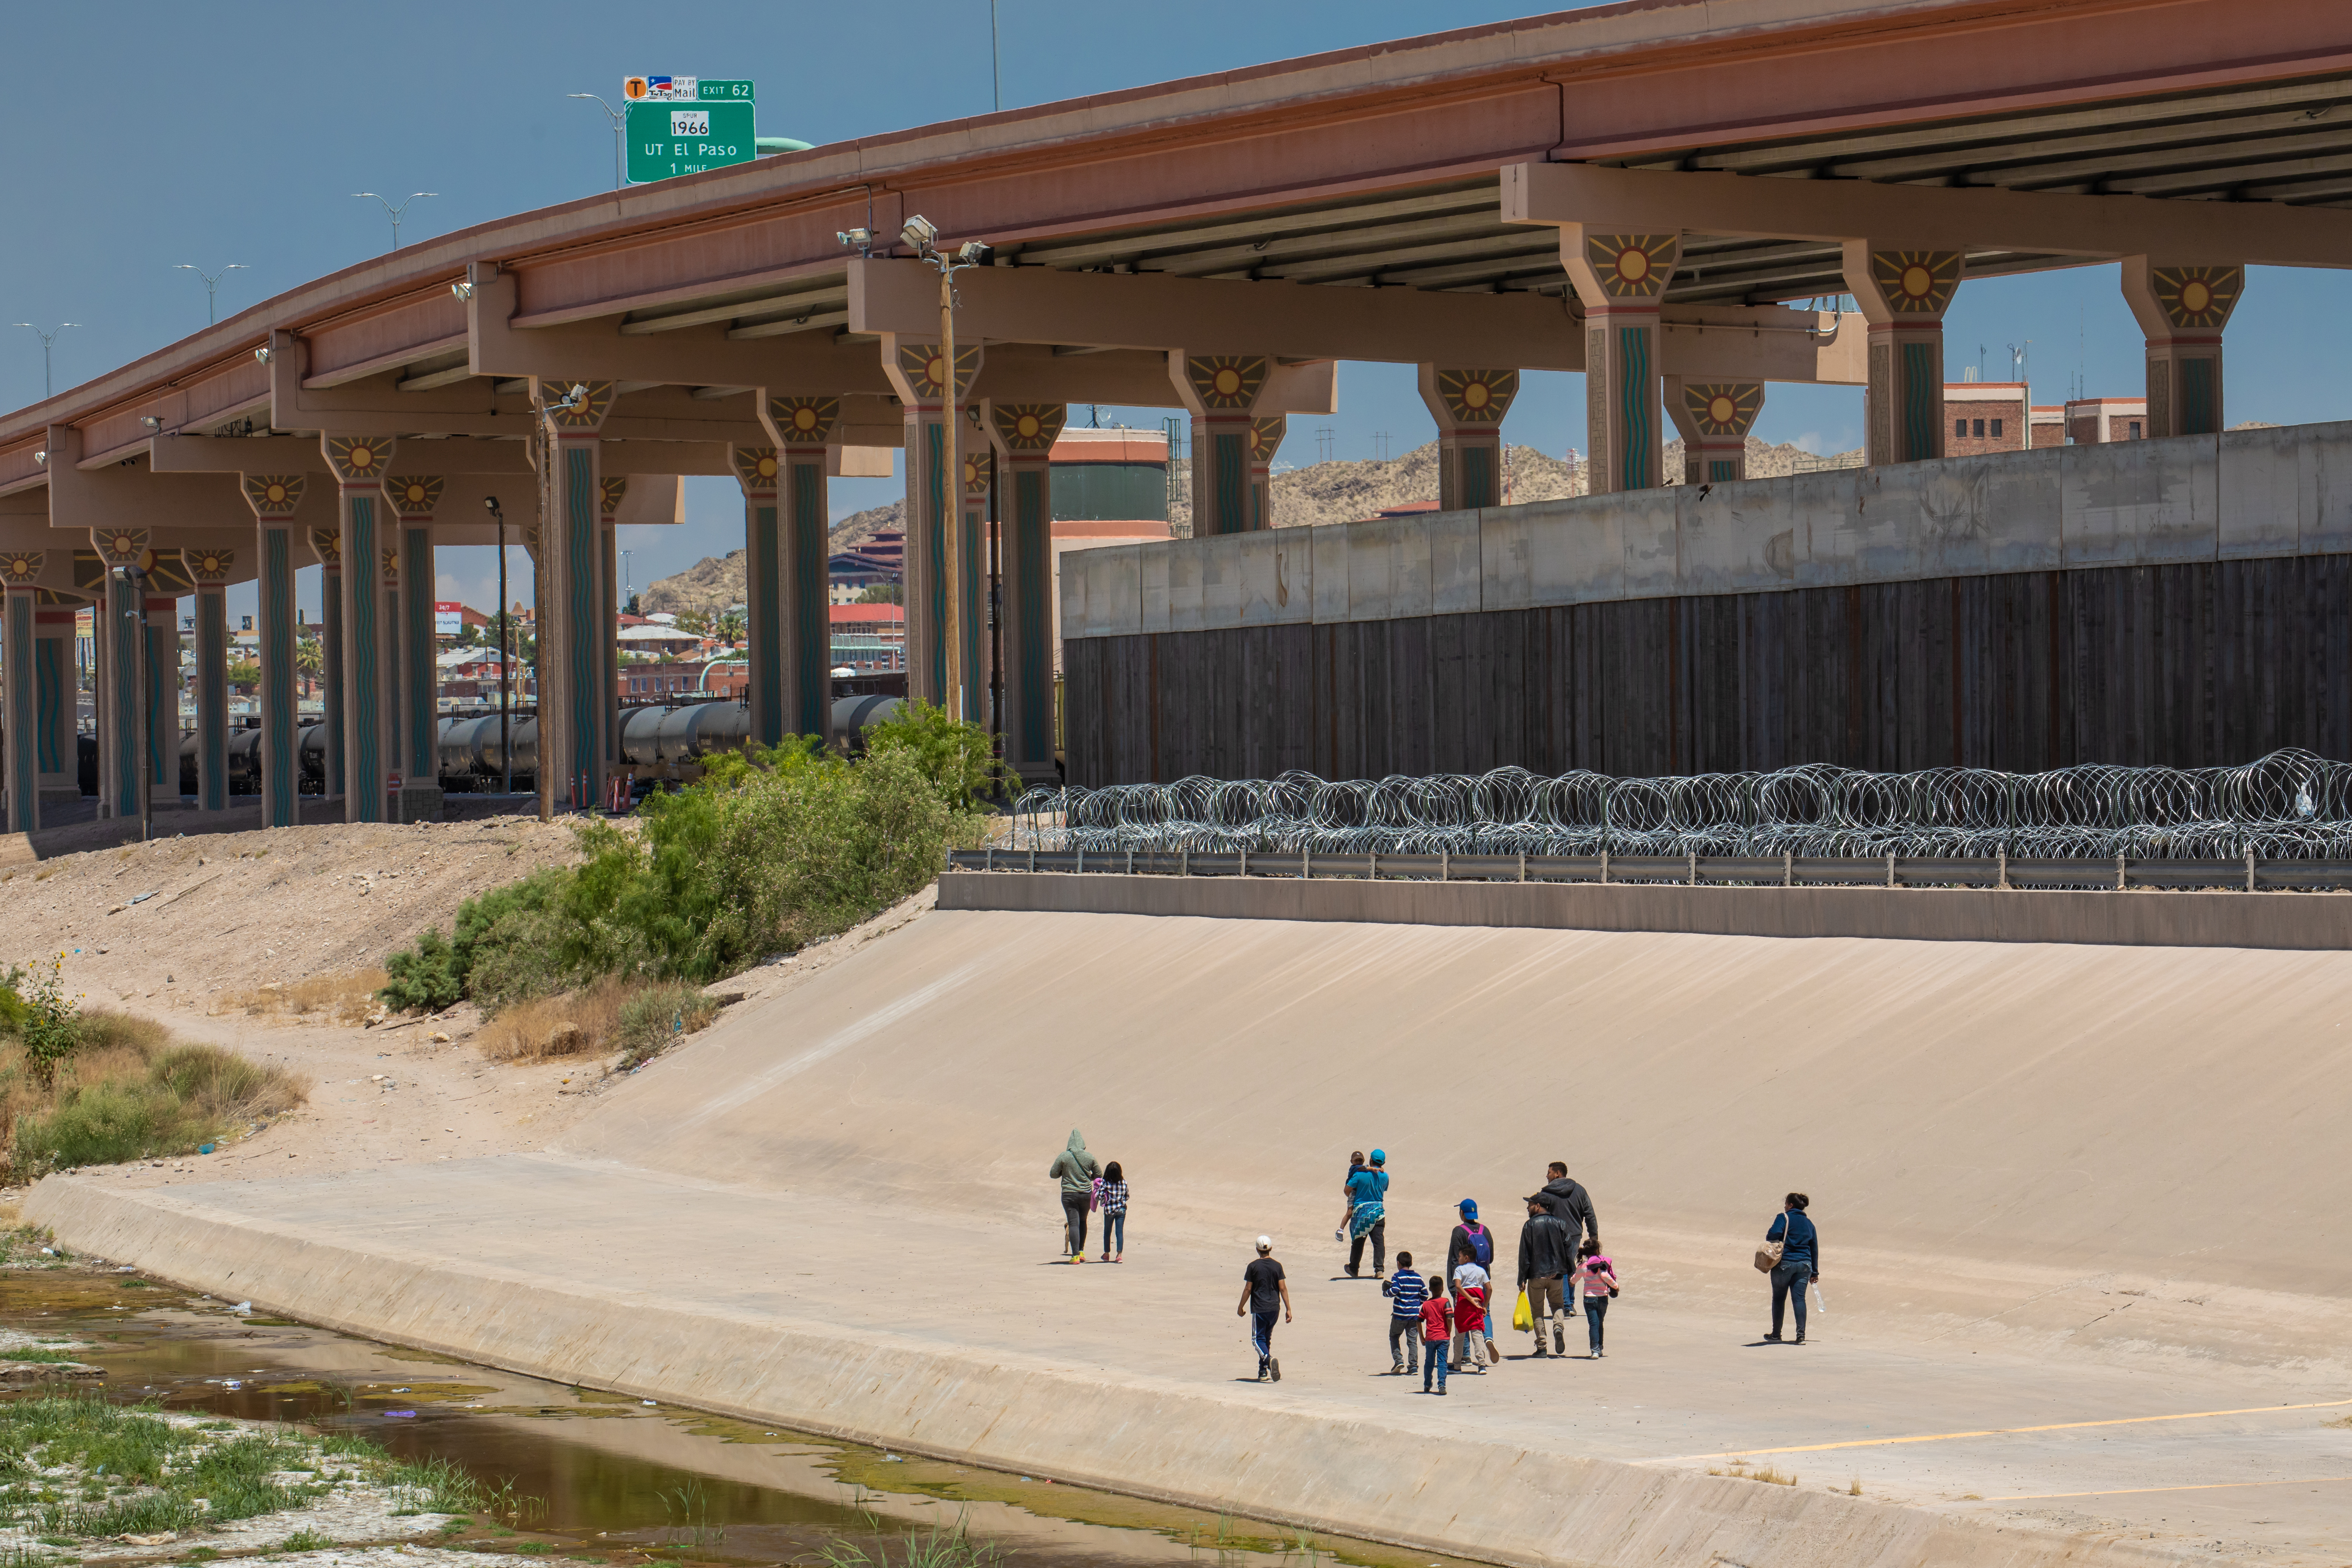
x=245, y=672
x=883, y=594
x=732, y=627
x=695, y=621
x=309, y=657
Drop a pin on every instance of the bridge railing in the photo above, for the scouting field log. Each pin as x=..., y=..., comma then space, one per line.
x=2120, y=874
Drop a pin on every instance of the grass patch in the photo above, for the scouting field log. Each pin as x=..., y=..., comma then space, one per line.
x=130, y=1093
x=305, y=1540
x=435, y=1486
x=348, y=998
x=658, y=1016
x=576, y=1023
x=1770, y=1475
x=35, y=1353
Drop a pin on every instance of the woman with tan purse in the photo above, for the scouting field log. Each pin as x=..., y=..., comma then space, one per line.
x=1791, y=1254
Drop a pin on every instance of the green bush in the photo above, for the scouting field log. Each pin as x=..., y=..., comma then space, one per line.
x=51, y=1030
x=180, y=1097
x=424, y=978
x=504, y=949
x=654, y=1016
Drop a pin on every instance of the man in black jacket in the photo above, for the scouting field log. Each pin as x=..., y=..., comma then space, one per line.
x=1566, y=1201
x=1546, y=1257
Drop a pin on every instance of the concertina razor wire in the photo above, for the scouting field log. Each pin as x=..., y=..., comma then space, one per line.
x=2290, y=804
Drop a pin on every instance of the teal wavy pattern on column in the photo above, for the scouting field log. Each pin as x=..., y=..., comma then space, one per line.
x=1477, y=476
x=1718, y=471
x=125, y=671
x=767, y=650
x=277, y=650
x=812, y=617
x=2196, y=417
x=1233, y=481
x=161, y=648
x=935, y=557
x=972, y=619
x=1032, y=583
x=1637, y=410
x=581, y=546
x=24, y=717
x=49, y=675
x=364, y=784
x=330, y=642
x=423, y=713
x=212, y=731
x=1923, y=402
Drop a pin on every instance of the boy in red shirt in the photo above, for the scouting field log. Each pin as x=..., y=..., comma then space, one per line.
x=1437, y=1328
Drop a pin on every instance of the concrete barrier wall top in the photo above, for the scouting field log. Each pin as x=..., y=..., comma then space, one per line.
x=2267, y=492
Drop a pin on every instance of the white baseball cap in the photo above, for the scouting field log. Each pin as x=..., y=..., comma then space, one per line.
x=1265, y=1244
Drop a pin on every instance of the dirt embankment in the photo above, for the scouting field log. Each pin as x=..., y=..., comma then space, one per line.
x=181, y=925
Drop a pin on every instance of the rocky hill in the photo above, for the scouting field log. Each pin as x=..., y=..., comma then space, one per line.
x=1318, y=493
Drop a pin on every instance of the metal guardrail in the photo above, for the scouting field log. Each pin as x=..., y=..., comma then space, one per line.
x=2120, y=874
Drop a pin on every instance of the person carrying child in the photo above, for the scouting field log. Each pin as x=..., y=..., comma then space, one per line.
x=1437, y=1328
x=1407, y=1291
x=1469, y=1254
x=1597, y=1276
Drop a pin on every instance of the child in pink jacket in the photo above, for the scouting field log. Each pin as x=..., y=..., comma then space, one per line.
x=1597, y=1277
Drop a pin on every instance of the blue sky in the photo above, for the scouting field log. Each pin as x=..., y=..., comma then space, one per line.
x=152, y=135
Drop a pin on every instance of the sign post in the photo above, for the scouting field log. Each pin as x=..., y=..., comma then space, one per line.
x=682, y=125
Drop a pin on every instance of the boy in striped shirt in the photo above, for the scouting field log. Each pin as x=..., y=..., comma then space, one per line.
x=1405, y=1288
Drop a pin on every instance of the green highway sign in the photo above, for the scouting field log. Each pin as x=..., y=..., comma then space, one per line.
x=723, y=92
x=670, y=139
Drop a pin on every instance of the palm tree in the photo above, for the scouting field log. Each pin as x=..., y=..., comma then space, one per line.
x=309, y=657
x=732, y=627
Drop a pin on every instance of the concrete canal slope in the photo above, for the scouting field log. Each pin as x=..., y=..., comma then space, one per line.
x=2081, y=1210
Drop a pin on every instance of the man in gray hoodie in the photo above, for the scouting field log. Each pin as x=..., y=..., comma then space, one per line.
x=1566, y=1201
x=1077, y=1169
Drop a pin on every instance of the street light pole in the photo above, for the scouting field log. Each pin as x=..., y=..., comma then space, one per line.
x=394, y=213
x=617, y=117
x=212, y=284
x=46, y=339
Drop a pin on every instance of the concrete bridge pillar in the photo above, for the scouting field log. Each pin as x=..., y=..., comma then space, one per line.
x=1903, y=295
x=611, y=490
x=56, y=688
x=18, y=667
x=934, y=457
x=413, y=498
x=1468, y=406
x=985, y=615
x=1622, y=280
x=210, y=569
x=1026, y=433
x=327, y=544
x=2182, y=308
x=801, y=428
x=360, y=464
x=759, y=470
x=1220, y=391
x=274, y=497
x=575, y=629
x=121, y=635
x=1265, y=439
x=1713, y=417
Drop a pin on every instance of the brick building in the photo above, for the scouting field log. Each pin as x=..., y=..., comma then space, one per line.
x=1994, y=417
x=2090, y=420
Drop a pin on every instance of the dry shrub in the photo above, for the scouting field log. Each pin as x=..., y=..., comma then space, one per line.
x=130, y=1092
x=348, y=998
x=578, y=1023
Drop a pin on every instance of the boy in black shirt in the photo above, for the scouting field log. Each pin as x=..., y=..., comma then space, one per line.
x=1263, y=1291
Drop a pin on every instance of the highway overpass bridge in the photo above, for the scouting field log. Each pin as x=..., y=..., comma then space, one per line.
x=1660, y=194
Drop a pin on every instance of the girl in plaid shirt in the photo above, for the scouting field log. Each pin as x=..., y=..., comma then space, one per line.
x=1112, y=1195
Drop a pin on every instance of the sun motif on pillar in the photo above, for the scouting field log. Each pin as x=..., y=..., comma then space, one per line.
x=88, y=572
x=209, y=565
x=2197, y=299
x=1632, y=266
x=274, y=495
x=979, y=472
x=120, y=546
x=1916, y=282
x=358, y=459
x=1478, y=396
x=1266, y=437
x=391, y=565
x=613, y=488
x=577, y=406
x=1227, y=381
x=414, y=495
x=925, y=366
x=327, y=543
x=1724, y=408
x=19, y=568
x=1029, y=426
x=757, y=470
x=803, y=421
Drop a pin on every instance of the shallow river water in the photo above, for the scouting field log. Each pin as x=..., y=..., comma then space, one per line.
x=588, y=1474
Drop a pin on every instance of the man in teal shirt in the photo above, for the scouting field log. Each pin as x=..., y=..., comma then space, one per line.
x=1367, y=1190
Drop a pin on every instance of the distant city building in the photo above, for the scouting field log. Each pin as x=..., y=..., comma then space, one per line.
x=453, y=618
x=2092, y=420
x=1994, y=417
x=681, y=681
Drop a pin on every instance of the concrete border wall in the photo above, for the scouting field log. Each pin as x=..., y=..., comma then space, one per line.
x=1275, y=1459
x=2239, y=495
x=2295, y=920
